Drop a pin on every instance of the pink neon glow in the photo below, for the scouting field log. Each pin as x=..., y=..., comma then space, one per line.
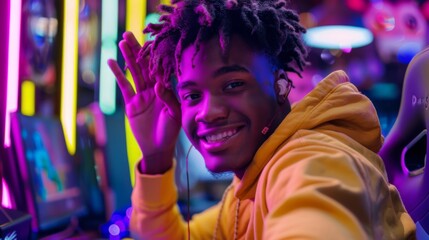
x=13, y=65
x=5, y=201
x=357, y=5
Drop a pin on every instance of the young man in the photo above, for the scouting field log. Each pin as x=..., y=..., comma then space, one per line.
x=310, y=172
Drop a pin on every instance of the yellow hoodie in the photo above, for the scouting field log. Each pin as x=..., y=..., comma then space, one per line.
x=318, y=176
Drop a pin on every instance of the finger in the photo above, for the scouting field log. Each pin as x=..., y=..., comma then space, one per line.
x=169, y=99
x=132, y=43
x=123, y=83
x=130, y=60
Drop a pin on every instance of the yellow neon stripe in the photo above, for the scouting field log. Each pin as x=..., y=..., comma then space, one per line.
x=135, y=17
x=28, y=98
x=136, y=14
x=133, y=150
x=69, y=73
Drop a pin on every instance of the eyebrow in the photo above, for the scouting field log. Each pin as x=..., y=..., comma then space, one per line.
x=217, y=73
x=185, y=84
x=228, y=69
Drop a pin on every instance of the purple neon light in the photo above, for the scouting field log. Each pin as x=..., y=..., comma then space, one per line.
x=6, y=200
x=13, y=65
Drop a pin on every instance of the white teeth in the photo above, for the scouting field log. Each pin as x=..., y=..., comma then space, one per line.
x=219, y=137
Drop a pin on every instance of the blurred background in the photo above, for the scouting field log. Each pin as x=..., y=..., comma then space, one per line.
x=67, y=154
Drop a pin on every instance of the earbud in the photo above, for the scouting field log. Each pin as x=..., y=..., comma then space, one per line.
x=283, y=86
x=283, y=83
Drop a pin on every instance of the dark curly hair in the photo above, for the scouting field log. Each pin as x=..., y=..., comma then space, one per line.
x=268, y=26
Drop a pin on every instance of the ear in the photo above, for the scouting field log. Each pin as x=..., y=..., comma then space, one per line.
x=282, y=86
x=280, y=73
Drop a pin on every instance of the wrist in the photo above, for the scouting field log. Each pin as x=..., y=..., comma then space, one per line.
x=155, y=163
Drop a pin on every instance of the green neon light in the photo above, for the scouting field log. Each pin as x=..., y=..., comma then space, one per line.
x=109, y=38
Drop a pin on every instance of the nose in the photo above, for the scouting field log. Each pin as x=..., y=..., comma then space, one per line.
x=213, y=108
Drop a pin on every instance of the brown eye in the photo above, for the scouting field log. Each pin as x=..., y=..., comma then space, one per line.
x=234, y=85
x=191, y=96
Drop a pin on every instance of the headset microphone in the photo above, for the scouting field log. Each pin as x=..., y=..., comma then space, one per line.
x=267, y=128
x=284, y=85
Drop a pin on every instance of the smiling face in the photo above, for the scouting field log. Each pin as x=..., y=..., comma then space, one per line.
x=226, y=103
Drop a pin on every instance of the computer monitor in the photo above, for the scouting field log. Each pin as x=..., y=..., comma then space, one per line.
x=48, y=173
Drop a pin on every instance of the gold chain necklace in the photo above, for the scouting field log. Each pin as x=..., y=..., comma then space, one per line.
x=237, y=211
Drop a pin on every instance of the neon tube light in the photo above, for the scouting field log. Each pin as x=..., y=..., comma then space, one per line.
x=28, y=98
x=13, y=65
x=109, y=37
x=69, y=73
x=338, y=37
x=136, y=14
x=6, y=200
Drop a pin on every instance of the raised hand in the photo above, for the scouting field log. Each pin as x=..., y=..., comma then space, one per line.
x=152, y=110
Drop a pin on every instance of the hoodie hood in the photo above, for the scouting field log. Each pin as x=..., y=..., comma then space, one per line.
x=334, y=105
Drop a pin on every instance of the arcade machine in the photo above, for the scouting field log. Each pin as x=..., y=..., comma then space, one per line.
x=47, y=175
x=40, y=174
x=53, y=172
x=14, y=224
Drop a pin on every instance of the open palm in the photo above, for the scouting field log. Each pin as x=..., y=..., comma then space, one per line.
x=152, y=110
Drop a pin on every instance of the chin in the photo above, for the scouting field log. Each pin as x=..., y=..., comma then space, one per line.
x=215, y=165
x=213, y=168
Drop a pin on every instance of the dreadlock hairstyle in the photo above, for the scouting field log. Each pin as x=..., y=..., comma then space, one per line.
x=268, y=26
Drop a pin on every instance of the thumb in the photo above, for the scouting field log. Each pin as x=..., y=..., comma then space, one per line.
x=169, y=99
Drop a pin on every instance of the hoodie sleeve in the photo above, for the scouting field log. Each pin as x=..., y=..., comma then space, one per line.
x=325, y=190
x=156, y=215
